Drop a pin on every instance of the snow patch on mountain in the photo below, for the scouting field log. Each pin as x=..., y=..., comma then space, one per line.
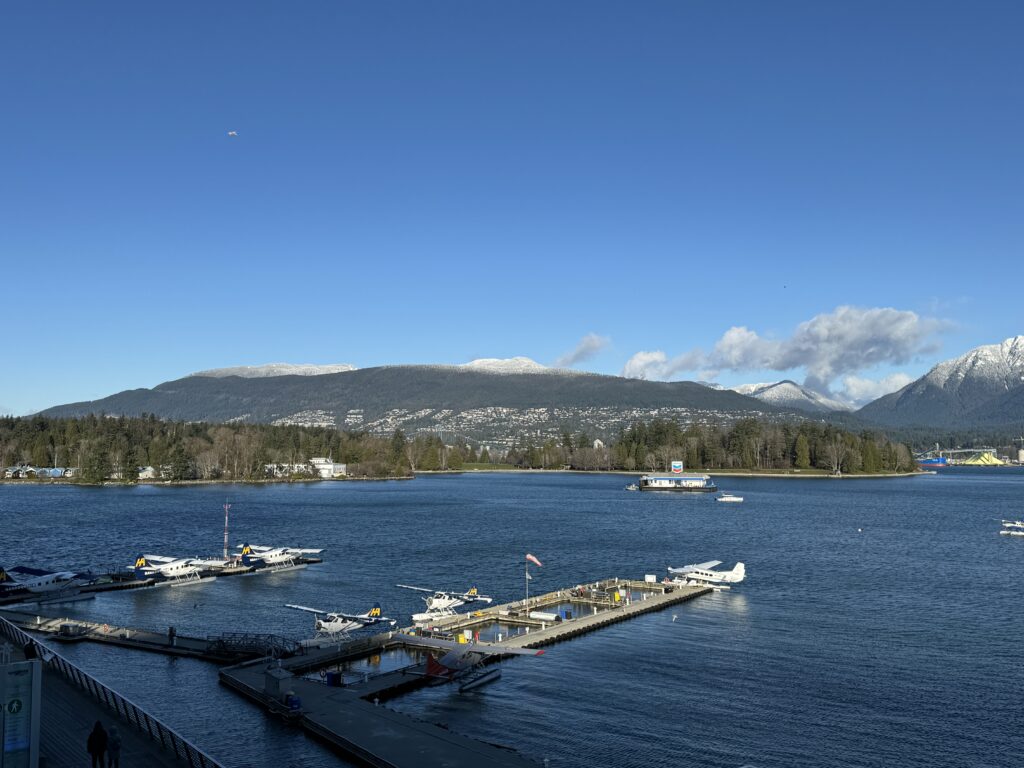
x=789, y=394
x=507, y=365
x=275, y=369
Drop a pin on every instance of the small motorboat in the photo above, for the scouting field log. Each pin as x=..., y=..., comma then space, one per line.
x=632, y=487
x=731, y=497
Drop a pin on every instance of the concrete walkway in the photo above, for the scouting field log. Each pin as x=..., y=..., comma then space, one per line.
x=68, y=716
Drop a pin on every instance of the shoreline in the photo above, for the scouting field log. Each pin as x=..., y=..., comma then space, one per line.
x=792, y=475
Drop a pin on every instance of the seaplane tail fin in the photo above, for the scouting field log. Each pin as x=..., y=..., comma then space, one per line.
x=739, y=572
x=246, y=555
x=4, y=578
x=436, y=669
x=140, y=567
x=374, y=613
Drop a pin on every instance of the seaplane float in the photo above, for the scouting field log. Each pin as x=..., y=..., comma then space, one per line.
x=441, y=603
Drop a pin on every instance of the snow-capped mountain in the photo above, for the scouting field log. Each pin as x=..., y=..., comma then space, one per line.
x=275, y=369
x=789, y=394
x=980, y=387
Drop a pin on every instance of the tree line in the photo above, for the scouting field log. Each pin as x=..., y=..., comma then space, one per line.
x=102, y=448
x=747, y=444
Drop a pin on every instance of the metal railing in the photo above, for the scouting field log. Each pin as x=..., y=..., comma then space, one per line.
x=274, y=646
x=132, y=713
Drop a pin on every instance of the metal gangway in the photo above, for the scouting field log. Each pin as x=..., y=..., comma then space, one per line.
x=248, y=643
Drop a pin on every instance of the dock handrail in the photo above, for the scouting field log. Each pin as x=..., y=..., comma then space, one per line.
x=134, y=714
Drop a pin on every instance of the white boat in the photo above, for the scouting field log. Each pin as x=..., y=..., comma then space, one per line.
x=730, y=497
x=632, y=487
x=1019, y=524
x=1012, y=532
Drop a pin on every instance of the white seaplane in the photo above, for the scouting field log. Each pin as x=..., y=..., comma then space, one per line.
x=173, y=570
x=336, y=624
x=462, y=659
x=38, y=582
x=441, y=603
x=273, y=557
x=703, y=574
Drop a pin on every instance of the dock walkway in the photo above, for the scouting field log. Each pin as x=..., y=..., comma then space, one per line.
x=72, y=705
x=226, y=648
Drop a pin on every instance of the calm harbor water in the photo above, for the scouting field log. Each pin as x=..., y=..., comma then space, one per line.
x=895, y=645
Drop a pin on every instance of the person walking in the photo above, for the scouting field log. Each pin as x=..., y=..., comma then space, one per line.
x=114, y=748
x=97, y=745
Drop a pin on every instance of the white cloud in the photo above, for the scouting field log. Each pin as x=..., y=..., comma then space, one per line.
x=657, y=365
x=589, y=346
x=844, y=341
x=860, y=391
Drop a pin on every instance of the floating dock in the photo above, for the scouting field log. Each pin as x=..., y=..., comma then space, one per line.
x=225, y=648
x=350, y=718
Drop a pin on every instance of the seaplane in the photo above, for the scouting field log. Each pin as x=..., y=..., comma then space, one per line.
x=335, y=624
x=37, y=582
x=441, y=603
x=173, y=570
x=460, y=660
x=273, y=557
x=703, y=574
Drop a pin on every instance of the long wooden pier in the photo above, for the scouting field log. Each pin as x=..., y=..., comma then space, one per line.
x=350, y=717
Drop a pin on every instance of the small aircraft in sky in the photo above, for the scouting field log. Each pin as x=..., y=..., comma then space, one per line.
x=232, y=133
x=442, y=603
x=702, y=573
x=333, y=624
x=179, y=569
x=31, y=580
x=258, y=555
x=460, y=659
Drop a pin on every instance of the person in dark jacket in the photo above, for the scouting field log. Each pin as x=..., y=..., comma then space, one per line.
x=113, y=748
x=97, y=745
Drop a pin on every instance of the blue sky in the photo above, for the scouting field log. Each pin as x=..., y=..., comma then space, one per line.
x=436, y=182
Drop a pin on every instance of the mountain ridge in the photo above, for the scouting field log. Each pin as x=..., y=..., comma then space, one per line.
x=982, y=387
x=482, y=404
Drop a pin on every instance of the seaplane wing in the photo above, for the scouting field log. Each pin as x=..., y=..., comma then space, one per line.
x=485, y=649
x=416, y=589
x=304, y=551
x=696, y=567
x=307, y=610
x=161, y=560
